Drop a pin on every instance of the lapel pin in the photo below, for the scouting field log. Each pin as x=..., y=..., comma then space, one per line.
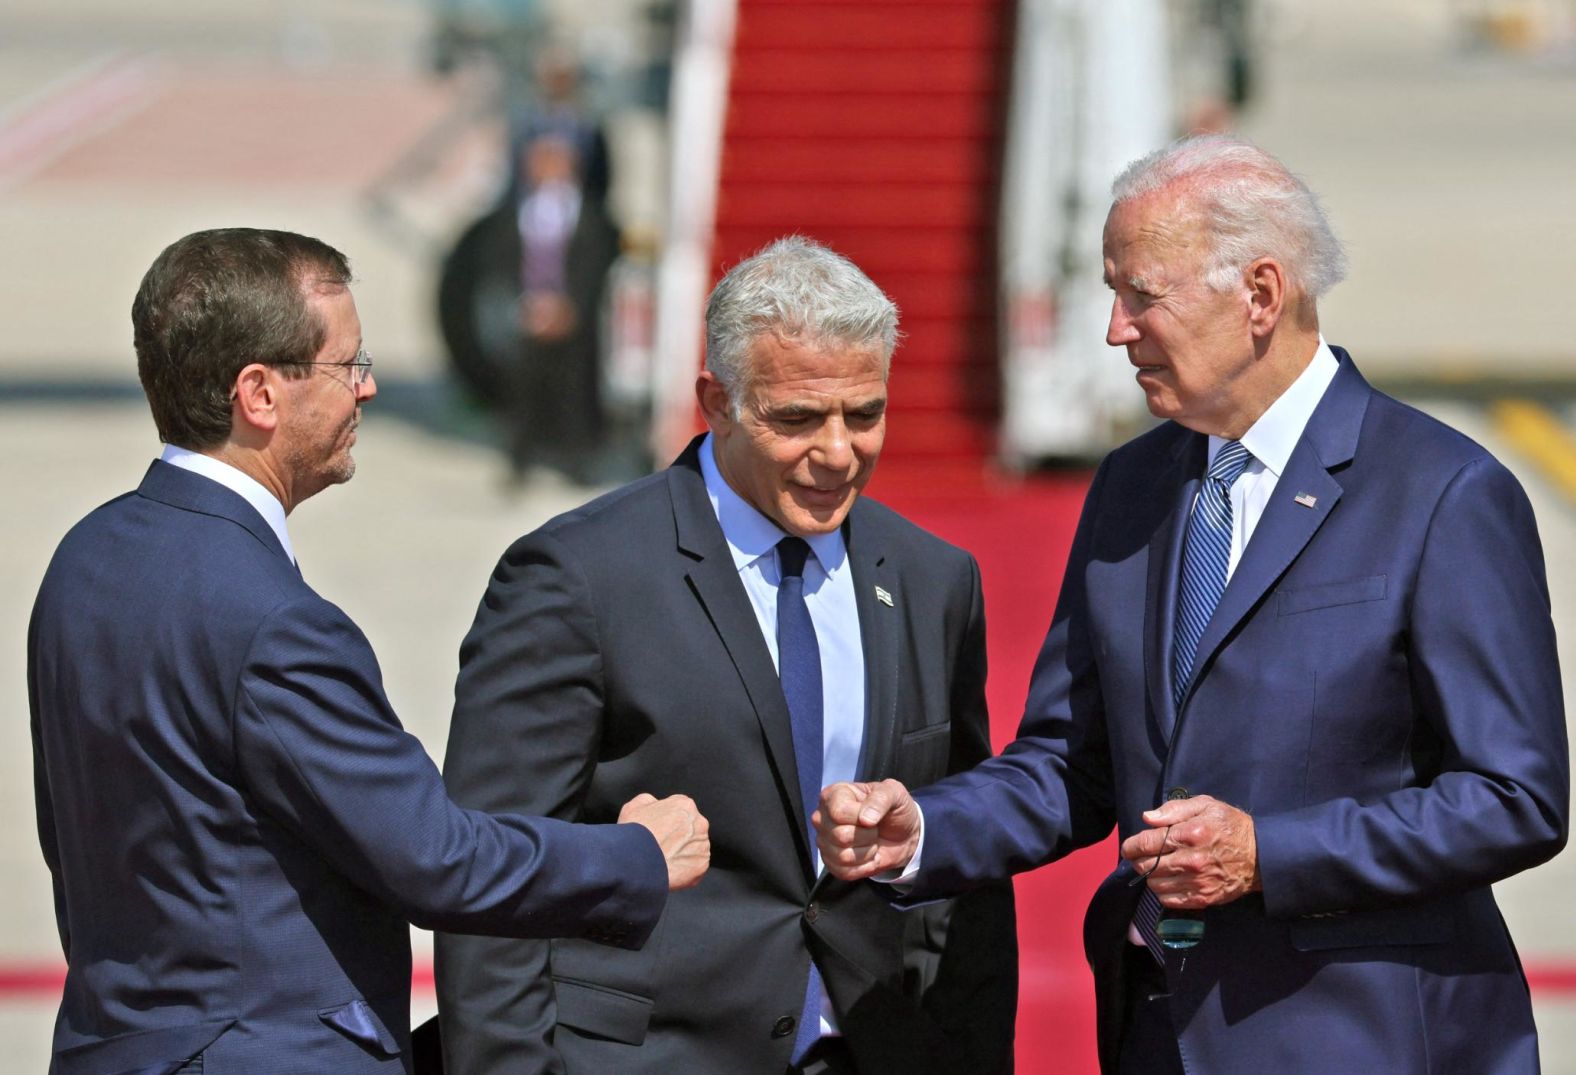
x=1307, y=500
x=884, y=597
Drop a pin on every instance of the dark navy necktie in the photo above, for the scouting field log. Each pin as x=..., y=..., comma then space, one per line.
x=1206, y=554
x=799, y=668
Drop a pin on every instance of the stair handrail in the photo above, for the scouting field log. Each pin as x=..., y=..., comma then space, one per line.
x=702, y=60
x=1091, y=91
x=1029, y=228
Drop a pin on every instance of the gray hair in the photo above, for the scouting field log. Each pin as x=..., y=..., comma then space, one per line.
x=1252, y=207
x=794, y=287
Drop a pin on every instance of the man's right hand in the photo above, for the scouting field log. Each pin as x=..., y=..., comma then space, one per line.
x=866, y=829
x=681, y=831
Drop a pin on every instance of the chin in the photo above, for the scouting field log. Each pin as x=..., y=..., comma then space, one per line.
x=1161, y=406
x=802, y=522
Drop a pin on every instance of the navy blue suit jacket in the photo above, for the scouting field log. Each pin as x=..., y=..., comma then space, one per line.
x=1378, y=687
x=239, y=829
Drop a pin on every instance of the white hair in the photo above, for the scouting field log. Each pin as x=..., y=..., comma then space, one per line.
x=1252, y=207
x=794, y=287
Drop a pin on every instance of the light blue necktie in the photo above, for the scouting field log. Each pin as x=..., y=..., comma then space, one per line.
x=1205, y=557
x=799, y=668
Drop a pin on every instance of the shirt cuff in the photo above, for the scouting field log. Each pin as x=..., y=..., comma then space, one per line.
x=904, y=878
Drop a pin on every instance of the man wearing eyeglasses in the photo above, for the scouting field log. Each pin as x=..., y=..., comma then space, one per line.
x=238, y=828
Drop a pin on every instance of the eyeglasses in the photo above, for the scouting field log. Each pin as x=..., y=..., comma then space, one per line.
x=1141, y=875
x=360, y=367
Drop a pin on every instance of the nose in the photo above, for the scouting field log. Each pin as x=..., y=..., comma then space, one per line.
x=367, y=389
x=1121, y=330
x=834, y=450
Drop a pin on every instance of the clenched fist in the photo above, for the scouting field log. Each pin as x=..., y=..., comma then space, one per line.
x=681, y=830
x=866, y=829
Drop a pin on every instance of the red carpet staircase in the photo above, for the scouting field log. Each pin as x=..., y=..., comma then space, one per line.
x=873, y=126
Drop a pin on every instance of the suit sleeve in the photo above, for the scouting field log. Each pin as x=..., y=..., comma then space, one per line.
x=43, y=800
x=1486, y=687
x=526, y=729
x=973, y=993
x=1049, y=792
x=320, y=750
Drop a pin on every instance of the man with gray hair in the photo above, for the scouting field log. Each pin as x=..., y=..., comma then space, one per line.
x=1302, y=661
x=746, y=627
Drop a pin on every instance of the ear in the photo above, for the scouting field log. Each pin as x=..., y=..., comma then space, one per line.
x=1267, y=295
x=713, y=400
x=254, y=408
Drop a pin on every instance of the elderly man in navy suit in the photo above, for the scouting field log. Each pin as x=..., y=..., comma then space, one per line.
x=1302, y=661
x=238, y=828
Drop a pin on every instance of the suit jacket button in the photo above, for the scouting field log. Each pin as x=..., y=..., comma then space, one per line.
x=784, y=1026
x=812, y=912
x=1177, y=792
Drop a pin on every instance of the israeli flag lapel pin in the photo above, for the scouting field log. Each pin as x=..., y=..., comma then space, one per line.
x=884, y=597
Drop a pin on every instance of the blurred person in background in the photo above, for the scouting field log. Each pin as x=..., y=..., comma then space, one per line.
x=742, y=626
x=557, y=108
x=1302, y=661
x=565, y=244
x=542, y=254
x=238, y=828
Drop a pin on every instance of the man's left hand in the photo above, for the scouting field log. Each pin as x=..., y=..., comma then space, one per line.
x=1197, y=853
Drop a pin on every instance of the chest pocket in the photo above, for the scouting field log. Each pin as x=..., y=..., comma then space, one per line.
x=1289, y=602
x=922, y=754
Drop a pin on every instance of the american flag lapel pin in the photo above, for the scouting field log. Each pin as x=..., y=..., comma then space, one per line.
x=1307, y=500
x=884, y=597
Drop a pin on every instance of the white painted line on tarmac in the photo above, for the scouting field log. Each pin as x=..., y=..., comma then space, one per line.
x=88, y=100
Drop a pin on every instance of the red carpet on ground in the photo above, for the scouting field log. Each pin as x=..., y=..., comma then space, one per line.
x=1020, y=533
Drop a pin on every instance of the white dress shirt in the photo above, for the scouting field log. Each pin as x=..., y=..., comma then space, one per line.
x=237, y=481
x=1271, y=440
x=829, y=594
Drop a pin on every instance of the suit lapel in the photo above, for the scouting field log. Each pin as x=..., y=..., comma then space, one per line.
x=715, y=582
x=1165, y=559
x=879, y=635
x=1287, y=525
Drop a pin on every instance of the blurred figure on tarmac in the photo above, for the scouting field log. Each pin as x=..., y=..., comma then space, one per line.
x=239, y=830
x=565, y=244
x=543, y=254
x=557, y=108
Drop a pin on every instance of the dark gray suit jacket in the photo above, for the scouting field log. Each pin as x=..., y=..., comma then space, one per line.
x=617, y=651
x=239, y=829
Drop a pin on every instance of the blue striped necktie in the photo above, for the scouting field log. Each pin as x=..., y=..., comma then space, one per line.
x=1204, y=560
x=799, y=669
x=1205, y=556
